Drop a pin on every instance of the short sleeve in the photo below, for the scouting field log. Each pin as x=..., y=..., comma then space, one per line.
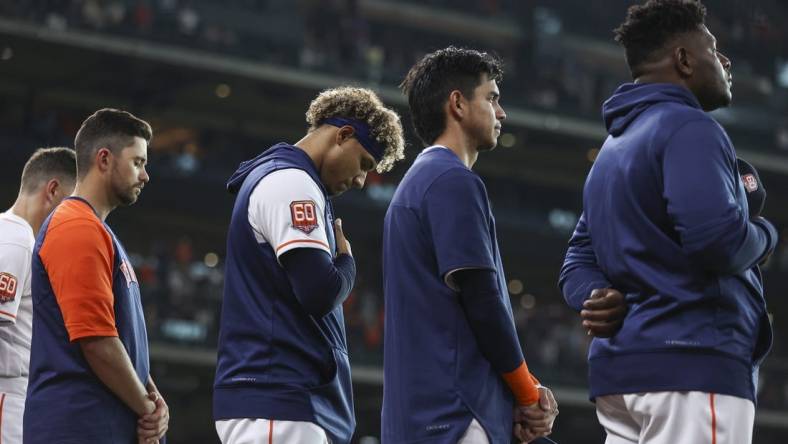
x=78, y=257
x=14, y=274
x=457, y=212
x=286, y=210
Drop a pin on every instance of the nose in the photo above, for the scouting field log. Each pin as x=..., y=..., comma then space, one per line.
x=726, y=62
x=144, y=177
x=500, y=114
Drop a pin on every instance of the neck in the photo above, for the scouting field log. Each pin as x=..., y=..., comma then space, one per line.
x=96, y=193
x=458, y=142
x=28, y=209
x=314, y=144
x=656, y=78
x=661, y=71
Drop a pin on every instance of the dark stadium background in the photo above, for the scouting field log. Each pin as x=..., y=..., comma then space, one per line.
x=221, y=81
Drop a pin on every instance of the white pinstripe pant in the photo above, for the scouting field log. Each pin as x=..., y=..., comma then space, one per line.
x=676, y=418
x=264, y=431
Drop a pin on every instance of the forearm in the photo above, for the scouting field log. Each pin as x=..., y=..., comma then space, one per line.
x=732, y=247
x=578, y=279
x=319, y=283
x=108, y=359
x=151, y=386
x=580, y=273
x=494, y=331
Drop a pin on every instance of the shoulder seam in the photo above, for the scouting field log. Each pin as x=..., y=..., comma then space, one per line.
x=452, y=169
x=312, y=182
x=680, y=127
x=80, y=219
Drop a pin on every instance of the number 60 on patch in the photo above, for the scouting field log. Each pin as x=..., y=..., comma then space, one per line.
x=7, y=287
x=303, y=215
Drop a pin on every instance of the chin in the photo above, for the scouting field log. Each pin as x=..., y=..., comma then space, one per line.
x=726, y=96
x=488, y=147
x=129, y=199
x=723, y=101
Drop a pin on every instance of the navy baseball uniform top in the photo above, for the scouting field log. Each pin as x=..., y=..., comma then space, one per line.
x=275, y=360
x=436, y=379
x=665, y=221
x=83, y=286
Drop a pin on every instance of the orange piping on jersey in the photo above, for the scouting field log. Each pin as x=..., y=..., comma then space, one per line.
x=5, y=313
x=311, y=241
x=2, y=401
x=713, y=420
x=270, y=432
x=522, y=385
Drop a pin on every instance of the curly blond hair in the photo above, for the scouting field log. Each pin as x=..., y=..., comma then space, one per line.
x=364, y=105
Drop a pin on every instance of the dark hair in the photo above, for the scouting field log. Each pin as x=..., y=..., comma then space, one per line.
x=649, y=27
x=49, y=163
x=430, y=81
x=107, y=128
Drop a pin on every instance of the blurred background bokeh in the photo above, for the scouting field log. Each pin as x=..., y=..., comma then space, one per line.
x=220, y=81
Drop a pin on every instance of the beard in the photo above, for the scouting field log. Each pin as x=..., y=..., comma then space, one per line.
x=123, y=193
x=714, y=94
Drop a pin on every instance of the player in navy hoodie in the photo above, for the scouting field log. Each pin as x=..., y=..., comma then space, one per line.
x=663, y=263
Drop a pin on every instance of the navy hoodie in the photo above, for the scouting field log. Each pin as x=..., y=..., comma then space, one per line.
x=665, y=221
x=275, y=361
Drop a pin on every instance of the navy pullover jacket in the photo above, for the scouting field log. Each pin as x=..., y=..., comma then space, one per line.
x=665, y=221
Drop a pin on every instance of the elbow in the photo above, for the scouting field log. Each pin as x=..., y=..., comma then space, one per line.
x=96, y=349
x=735, y=251
x=316, y=302
x=718, y=260
x=727, y=248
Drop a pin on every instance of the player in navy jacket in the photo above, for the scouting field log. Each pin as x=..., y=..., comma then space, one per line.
x=663, y=264
x=283, y=374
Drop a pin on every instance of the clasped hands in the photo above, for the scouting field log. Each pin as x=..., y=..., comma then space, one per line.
x=152, y=426
x=535, y=420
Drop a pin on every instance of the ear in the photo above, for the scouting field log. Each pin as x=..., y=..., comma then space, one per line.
x=344, y=134
x=103, y=159
x=51, y=189
x=683, y=62
x=457, y=105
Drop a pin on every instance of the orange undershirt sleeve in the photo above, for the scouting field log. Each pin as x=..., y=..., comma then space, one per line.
x=78, y=255
x=523, y=385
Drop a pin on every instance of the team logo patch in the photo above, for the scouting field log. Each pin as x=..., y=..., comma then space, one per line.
x=750, y=182
x=303, y=215
x=128, y=273
x=7, y=287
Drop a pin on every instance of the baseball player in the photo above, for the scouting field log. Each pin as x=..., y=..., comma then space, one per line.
x=89, y=368
x=453, y=366
x=663, y=264
x=48, y=176
x=283, y=374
